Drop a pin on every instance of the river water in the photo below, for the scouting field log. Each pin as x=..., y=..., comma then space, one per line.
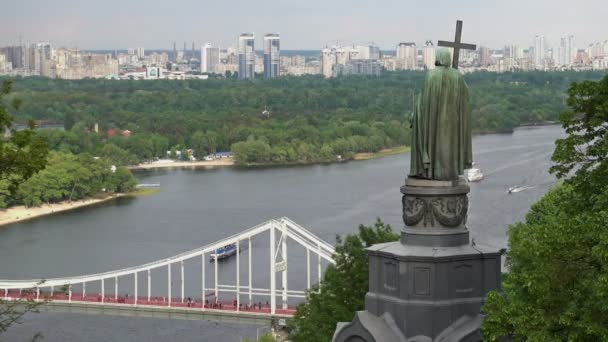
x=196, y=207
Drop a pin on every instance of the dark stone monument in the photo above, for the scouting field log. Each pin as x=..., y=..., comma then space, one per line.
x=430, y=285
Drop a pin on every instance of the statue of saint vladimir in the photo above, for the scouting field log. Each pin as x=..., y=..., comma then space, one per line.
x=441, y=126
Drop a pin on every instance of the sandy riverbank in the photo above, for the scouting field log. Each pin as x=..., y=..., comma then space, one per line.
x=382, y=153
x=184, y=164
x=22, y=213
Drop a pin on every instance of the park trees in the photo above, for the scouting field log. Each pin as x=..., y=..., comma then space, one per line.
x=22, y=152
x=72, y=177
x=557, y=287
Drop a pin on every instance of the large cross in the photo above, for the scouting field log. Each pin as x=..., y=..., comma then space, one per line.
x=457, y=45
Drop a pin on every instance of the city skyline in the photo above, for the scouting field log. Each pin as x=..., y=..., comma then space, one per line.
x=93, y=25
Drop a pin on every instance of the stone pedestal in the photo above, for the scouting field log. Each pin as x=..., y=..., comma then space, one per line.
x=430, y=285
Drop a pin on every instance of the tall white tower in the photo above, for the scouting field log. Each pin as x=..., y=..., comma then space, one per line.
x=210, y=58
x=540, y=52
x=246, y=56
x=272, y=54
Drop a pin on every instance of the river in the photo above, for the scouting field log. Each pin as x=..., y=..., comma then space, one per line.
x=196, y=207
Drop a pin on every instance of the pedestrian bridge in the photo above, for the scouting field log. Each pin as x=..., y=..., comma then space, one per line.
x=70, y=294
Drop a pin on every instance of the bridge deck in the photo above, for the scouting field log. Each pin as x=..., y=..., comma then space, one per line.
x=155, y=307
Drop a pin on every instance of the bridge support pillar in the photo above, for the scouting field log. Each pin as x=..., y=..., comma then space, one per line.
x=216, y=281
x=103, y=291
x=169, y=284
x=273, y=284
x=135, y=288
x=238, y=277
x=181, y=264
x=284, y=272
x=319, y=266
x=250, y=289
x=149, y=285
x=203, y=290
x=307, y=269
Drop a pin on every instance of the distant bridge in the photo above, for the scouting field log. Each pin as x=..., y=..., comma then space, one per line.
x=59, y=293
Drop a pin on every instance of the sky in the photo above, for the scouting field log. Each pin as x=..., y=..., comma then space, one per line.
x=303, y=24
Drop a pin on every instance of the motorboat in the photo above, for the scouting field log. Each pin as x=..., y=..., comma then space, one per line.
x=518, y=188
x=223, y=252
x=473, y=175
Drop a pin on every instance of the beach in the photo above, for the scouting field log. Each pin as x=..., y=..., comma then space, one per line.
x=162, y=164
x=22, y=213
x=382, y=153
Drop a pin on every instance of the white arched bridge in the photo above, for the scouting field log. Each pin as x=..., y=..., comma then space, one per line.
x=129, y=291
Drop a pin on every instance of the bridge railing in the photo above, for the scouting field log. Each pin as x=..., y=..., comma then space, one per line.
x=284, y=228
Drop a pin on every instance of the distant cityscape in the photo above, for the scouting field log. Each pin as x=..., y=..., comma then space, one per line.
x=245, y=62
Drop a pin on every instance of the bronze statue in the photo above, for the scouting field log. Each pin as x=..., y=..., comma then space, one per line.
x=441, y=125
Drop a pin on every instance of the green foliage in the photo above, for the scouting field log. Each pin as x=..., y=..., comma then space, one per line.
x=204, y=143
x=343, y=288
x=347, y=115
x=264, y=338
x=73, y=177
x=557, y=288
x=12, y=312
x=585, y=149
x=22, y=154
x=5, y=193
x=117, y=155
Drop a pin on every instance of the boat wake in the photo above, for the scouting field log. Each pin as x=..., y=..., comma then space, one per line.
x=518, y=188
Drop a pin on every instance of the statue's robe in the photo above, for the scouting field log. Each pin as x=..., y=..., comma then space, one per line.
x=441, y=128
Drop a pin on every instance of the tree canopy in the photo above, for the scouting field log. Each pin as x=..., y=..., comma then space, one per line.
x=312, y=119
x=343, y=288
x=557, y=285
x=22, y=152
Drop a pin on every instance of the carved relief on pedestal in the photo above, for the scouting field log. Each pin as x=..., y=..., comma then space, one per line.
x=448, y=211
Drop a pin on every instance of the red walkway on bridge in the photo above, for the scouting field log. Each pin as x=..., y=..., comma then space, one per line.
x=231, y=306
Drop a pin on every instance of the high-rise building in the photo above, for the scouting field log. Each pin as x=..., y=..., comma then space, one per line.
x=38, y=57
x=367, y=52
x=16, y=55
x=406, y=56
x=428, y=55
x=210, y=58
x=566, y=51
x=328, y=60
x=540, y=52
x=358, y=67
x=246, y=56
x=514, y=52
x=272, y=55
x=140, y=52
x=484, y=56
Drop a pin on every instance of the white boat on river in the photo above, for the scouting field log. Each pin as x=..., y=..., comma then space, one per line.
x=473, y=175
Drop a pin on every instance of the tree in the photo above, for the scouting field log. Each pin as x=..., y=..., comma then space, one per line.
x=557, y=287
x=343, y=288
x=23, y=153
x=21, y=156
x=11, y=312
x=585, y=149
x=200, y=144
x=117, y=155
